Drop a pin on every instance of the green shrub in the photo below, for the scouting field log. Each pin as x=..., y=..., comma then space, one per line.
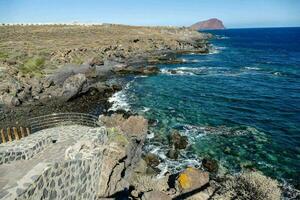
x=3, y=55
x=33, y=66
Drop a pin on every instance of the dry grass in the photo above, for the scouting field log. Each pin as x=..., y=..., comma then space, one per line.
x=60, y=44
x=249, y=185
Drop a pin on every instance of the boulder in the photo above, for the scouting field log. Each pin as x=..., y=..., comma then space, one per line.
x=157, y=195
x=25, y=93
x=9, y=100
x=152, y=160
x=173, y=153
x=73, y=85
x=150, y=70
x=36, y=87
x=192, y=179
x=210, y=165
x=179, y=142
x=14, y=86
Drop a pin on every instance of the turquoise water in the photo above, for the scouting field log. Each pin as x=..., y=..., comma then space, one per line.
x=239, y=104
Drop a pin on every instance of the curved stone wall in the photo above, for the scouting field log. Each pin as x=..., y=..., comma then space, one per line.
x=74, y=174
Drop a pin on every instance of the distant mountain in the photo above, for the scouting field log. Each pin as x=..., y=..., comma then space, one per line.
x=209, y=24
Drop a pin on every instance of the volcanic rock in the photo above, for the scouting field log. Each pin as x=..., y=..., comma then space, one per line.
x=191, y=179
x=210, y=164
x=73, y=85
x=209, y=24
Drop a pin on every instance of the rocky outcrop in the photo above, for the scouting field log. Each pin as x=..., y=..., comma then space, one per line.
x=133, y=52
x=73, y=85
x=148, y=70
x=192, y=179
x=177, y=143
x=126, y=138
x=210, y=24
x=210, y=165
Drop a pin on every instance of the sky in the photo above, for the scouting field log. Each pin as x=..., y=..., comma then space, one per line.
x=234, y=13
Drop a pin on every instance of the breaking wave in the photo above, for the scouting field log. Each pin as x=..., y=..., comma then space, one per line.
x=187, y=158
x=119, y=100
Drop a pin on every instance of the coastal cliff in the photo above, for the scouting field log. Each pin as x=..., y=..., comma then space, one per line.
x=210, y=24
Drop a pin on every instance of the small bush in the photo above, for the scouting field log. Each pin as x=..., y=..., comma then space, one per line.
x=33, y=66
x=249, y=185
x=3, y=55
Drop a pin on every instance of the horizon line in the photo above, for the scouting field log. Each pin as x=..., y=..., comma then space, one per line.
x=75, y=23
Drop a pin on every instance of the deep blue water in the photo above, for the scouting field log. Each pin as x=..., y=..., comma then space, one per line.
x=239, y=105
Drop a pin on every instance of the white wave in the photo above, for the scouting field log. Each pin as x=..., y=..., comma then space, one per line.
x=222, y=37
x=176, y=72
x=277, y=74
x=220, y=48
x=119, y=100
x=183, y=71
x=252, y=68
x=216, y=49
x=190, y=60
x=213, y=51
x=170, y=165
x=150, y=135
x=145, y=109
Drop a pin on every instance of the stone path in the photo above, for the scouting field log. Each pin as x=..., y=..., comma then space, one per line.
x=63, y=137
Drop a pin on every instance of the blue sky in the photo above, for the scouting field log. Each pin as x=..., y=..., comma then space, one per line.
x=234, y=13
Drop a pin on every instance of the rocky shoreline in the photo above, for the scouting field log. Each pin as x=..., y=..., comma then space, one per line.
x=86, y=87
x=140, y=180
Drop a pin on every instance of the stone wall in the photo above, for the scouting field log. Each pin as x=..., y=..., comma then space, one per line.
x=74, y=162
x=76, y=176
x=19, y=150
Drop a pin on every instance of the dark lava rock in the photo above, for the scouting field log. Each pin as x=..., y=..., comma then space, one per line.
x=210, y=165
x=173, y=71
x=152, y=160
x=152, y=122
x=179, y=141
x=173, y=153
x=150, y=70
x=116, y=88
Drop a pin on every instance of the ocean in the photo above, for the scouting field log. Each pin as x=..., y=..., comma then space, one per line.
x=239, y=104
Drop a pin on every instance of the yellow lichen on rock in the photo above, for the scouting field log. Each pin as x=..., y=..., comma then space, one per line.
x=184, y=181
x=191, y=179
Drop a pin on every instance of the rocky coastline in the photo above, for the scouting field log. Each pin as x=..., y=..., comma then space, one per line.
x=86, y=87
x=133, y=174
